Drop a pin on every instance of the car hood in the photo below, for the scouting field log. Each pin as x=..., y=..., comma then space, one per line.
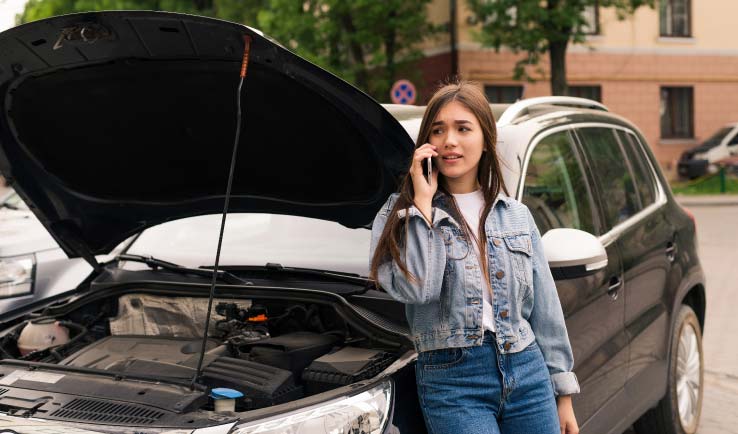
x=113, y=122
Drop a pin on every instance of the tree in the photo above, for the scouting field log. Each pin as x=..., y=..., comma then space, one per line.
x=537, y=27
x=365, y=42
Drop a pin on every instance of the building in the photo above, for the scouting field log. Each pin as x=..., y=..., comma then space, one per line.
x=672, y=70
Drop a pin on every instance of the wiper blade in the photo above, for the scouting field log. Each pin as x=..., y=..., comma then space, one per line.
x=155, y=263
x=296, y=271
x=9, y=206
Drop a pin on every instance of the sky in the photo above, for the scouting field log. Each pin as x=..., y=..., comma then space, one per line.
x=8, y=10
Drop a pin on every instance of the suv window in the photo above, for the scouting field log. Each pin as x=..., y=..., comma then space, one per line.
x=611, y=171
x=556, y=191
x=642, y=173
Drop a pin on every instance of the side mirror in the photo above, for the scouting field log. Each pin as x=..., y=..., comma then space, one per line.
x=572, y=253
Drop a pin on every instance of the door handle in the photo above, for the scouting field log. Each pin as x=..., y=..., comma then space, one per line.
x=671, y=251
x=614, y=289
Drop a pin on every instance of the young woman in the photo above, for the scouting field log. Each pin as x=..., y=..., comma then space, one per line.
x=468, y=263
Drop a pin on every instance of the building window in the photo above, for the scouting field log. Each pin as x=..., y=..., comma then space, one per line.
x=677, y=112
x=674, y=17
x=503, y=94
x=589, y=92
x=591, y=17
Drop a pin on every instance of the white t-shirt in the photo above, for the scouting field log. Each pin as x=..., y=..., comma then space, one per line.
x=471, y=206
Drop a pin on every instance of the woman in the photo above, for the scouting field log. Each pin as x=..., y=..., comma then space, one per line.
x=493, y=351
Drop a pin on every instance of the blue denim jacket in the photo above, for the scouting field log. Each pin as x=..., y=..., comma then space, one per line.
x=444, y=306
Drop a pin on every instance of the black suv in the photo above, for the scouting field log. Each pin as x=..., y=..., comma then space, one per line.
x=115, y=122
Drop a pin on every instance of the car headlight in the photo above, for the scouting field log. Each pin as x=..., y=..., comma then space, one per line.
x=364, y=413
x=16, y=275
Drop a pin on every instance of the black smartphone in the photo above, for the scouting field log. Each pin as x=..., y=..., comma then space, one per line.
x=428, y=169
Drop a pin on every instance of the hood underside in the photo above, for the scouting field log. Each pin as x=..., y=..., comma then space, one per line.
x=113, y=122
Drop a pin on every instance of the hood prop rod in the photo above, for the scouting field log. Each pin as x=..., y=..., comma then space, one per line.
x=244, y=67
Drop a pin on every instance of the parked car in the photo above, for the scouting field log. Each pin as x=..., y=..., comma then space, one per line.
x=703, y=159
x=32, y=265
x=300, y=341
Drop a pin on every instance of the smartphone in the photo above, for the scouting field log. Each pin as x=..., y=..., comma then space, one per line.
x=428, y=170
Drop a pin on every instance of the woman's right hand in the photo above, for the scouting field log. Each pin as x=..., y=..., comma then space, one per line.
x=423, y=190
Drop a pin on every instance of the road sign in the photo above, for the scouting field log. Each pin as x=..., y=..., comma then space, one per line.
x=403, y=92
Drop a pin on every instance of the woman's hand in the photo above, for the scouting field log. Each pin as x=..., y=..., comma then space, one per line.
x=566, y=415
x=423, y=190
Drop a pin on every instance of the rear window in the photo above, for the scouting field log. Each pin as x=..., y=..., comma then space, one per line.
x=610, y=169
x=642, y=173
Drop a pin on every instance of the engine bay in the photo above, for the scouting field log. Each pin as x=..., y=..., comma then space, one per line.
x=141, y=350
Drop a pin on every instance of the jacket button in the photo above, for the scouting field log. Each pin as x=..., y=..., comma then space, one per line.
x=503, y=314
x=497, y=242
x=500, y=274
x=506, y=346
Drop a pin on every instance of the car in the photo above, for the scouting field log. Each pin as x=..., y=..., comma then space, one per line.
x=704, y=159
x=32, y=265
x=299, y=339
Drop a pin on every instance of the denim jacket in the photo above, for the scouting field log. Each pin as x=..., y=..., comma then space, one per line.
x=444, y=306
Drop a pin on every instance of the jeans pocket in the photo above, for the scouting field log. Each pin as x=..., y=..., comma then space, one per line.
x=533, y=346
x=441, y=359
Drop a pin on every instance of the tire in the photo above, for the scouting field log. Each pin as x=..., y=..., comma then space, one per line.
x=685, y=380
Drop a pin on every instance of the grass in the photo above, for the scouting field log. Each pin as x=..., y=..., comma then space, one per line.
x=709, y=184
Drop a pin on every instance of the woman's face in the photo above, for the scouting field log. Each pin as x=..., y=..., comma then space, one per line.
x=459, y=141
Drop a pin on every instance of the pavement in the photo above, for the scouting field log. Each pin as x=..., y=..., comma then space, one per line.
x=708, y=200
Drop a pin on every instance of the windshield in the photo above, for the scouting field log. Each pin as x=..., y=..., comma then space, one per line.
x=256, y=239
x=716, y=138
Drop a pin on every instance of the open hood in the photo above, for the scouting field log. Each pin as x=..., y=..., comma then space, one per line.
x=113, y=122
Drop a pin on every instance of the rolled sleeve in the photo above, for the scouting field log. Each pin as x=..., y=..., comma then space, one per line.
x=565, y=383
x=424, y=255
x=547, y=321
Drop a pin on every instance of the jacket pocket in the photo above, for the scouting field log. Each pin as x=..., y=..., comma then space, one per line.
x=455, y=242
x=521, y=251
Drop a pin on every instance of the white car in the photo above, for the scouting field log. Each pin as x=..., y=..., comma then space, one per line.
x=703, y=159
x=32, y=265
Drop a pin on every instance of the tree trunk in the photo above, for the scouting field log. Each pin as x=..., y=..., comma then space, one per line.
x=557, y=55
x=390, y=47
x=357, y=52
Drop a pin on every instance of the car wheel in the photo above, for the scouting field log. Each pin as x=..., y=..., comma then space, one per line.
x=679, y=410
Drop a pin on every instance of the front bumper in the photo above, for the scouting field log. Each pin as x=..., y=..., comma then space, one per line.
x=691, y=169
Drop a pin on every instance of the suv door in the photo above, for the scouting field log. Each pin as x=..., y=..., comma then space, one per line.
x=629, y=198
x=648, y=247
x=559, y=194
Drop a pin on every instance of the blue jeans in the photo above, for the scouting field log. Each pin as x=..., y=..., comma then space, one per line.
x=476, y=390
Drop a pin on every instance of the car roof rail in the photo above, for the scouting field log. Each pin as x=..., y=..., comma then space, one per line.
x=522, y=107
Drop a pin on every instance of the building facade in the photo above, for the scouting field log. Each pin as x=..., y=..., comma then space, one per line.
x=672, y=70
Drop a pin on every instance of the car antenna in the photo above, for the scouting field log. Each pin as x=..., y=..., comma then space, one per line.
x=244, y=67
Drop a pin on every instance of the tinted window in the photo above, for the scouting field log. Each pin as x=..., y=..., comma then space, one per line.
x=556, y=191
x=642, y=173
x=608, y=166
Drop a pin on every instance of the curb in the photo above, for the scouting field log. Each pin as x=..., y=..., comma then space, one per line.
x=711, y=200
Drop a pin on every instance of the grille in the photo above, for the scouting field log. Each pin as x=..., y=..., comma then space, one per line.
x=93, y=410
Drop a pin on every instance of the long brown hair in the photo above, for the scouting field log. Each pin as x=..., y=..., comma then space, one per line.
x=489, y=177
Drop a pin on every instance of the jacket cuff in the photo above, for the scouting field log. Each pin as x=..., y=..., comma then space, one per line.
x=438, y=215
x=565, y=383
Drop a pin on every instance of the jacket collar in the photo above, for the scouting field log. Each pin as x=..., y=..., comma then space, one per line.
x=440, y=199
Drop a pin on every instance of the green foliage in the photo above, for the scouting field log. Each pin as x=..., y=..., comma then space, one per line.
x=536, y=26
x=366, y=42
x=708, y=184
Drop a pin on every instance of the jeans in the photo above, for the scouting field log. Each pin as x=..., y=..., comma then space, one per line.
x=477, y=390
